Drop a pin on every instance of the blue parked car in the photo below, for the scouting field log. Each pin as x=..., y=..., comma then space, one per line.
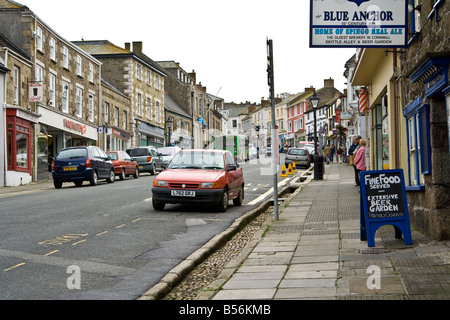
x=78, y=164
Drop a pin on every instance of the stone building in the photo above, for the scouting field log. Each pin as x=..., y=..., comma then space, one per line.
x=64, y=86
x=407, y=123
x=141, y=79
x=425, y=98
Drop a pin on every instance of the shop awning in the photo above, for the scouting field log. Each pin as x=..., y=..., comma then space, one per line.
x=331, y=137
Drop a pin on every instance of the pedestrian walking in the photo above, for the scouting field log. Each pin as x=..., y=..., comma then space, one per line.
x=340, y=154
x=333, y=150
x=327, y=153
x=352, y=151
x=360, y=159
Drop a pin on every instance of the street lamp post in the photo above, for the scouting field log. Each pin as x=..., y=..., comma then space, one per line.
x=315, y=102
x=169, y=123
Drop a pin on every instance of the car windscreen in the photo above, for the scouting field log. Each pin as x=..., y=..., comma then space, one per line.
x=72, y=154
x=298, y=152
x=112, y=155
x=167, y=151
x=138, y=152
x=198, y=160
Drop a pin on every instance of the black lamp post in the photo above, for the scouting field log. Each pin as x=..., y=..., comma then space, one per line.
x=315, y=102
x=169, y=123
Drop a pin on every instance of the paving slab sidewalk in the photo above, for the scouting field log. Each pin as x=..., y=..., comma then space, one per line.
x=314, y=252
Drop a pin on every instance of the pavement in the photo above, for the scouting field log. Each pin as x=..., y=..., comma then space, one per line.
x=314, y=251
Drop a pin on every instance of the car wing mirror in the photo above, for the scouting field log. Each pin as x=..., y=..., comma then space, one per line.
x=231, y=167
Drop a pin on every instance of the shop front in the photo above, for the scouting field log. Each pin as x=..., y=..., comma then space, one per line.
x=117, y=139
x=149, y=134
x=20, y=128
x=57, y=131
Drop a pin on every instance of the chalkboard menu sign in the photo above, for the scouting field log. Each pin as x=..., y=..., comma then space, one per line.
x=383, y=202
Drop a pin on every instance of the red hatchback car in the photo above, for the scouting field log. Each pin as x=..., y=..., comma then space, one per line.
x=123, y=165
x=210, y=177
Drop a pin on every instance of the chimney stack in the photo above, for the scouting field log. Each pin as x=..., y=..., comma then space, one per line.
x=137, y=46
x=328, y=83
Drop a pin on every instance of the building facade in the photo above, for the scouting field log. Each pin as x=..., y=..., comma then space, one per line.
x=408, y=113
x=141, y=79
x=63, y=88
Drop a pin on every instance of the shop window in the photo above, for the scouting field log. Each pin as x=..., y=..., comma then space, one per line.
x=418, y=143
x=19, y=144
x=380, y=134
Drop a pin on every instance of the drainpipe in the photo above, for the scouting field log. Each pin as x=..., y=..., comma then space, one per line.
x=396, y=162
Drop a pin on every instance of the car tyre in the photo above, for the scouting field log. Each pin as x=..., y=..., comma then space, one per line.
x=94, y=179
x=122, y=174
x=78, y=183
x=136, y=173
x=153, y=170
x=112, y=177
x=158, y=206
x=57, y=184
x=240, y=198
x=223, y=204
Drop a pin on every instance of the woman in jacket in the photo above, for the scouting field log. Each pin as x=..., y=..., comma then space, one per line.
x=360, y=159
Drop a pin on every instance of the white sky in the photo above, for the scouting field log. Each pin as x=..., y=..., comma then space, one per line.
x=224, y=41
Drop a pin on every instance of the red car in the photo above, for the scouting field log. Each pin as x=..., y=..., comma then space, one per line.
x=123, y=165
x=200, y=177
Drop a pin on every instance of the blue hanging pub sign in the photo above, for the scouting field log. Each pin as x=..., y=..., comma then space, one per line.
x=383, y=202
x=358, y=23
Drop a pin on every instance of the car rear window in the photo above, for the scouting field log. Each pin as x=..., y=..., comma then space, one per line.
x=112, y=155
x=298, y=152
x=138, y=152
x=72, y=154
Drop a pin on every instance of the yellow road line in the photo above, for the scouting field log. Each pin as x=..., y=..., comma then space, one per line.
x=17, y=265
x=122, y=225
x=99, y=234
x=47, y=254
x=75, y=243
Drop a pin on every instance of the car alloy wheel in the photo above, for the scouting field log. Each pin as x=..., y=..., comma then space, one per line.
x=94, y=179
x=112, y=177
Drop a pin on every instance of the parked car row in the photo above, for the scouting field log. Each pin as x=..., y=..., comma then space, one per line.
x=90, y=163
x=204, y=177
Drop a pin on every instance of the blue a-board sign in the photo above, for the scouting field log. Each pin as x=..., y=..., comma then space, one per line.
x=383, y=202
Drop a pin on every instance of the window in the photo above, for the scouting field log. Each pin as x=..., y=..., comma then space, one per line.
x=52, y=90
x=91, y=108
x=148, y=104
x=157, y=111
x=79, y=102
x=66, y=58
x=116, y=116
x=380, y=134
x=39, y=38
x=65, y=97
x=18, y=144
x=139, y=71
x=16, y=85
x=39, y=72
x=79, y=66
x=139, y=104
x=106, y=112
x=124, y=120
x=418, y=143
x=52, y=49
x=157, y=84
x=149, y=77
x=91, y=72
x=415, y=16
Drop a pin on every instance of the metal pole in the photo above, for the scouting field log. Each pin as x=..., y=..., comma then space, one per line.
x=316, y=156
x=272, y=103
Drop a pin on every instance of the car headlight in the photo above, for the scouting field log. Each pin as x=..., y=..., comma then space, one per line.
x=210, y=185
x=160, y=183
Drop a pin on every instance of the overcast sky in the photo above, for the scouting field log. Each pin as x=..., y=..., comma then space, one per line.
x=224, y=41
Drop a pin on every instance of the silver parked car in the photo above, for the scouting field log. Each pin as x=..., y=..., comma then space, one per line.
x=298, y=155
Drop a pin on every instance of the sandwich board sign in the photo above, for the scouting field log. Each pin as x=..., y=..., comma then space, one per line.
x=383, y=202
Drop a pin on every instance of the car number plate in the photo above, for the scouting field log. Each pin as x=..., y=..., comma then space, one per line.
x=183, y=193
x=70, y=168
